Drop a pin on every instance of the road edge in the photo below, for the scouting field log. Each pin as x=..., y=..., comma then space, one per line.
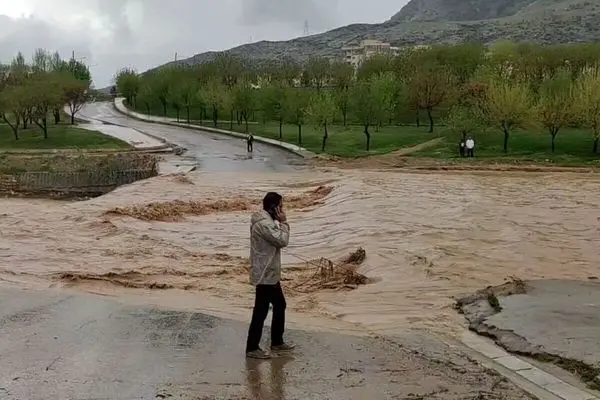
x=530, y=378
x=119, y=106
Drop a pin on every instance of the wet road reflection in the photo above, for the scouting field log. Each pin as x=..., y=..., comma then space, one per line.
x=206, y=151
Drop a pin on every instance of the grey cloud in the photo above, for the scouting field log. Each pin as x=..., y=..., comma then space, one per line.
x=319, y=14
x=111, y=38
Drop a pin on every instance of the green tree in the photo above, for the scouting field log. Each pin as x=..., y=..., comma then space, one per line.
x=75, y=94
x=244, y=100
x=342, y=76
x=321, y=112
x=508, y=106
x=587, y=102
x=317, y=72
x=144, y=96
x=45, y=96
x=430, y=87
x=272, y=104
x=12, y=100
x=375, y=66
x=464, y=121
x=296, y=105
x=213, y=95
x=386, y=89
x=161, y=83
x=128, y=84
x=556, y=103
x=175, y=97
x=364, y=106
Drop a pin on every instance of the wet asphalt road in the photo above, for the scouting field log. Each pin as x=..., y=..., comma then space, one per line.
x=206, y=151
x=57, y=345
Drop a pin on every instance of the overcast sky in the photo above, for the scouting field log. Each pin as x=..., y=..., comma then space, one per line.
x=111, y=34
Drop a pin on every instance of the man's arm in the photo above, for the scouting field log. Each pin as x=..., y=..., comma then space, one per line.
x=278, y=236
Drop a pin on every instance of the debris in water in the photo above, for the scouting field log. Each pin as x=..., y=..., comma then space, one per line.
x=183, y=179
x=175, y=210
x=341, y=276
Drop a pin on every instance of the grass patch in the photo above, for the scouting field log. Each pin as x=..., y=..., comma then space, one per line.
x=61, y=136
x=343, y=141
x=573, y=147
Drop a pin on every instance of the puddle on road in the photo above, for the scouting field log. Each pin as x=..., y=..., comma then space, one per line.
x=428, y=237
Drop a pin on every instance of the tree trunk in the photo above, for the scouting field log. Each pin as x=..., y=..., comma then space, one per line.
x=177, y=112
x=325, y=136
x=231, y=121
x=148, y=109
x=595, y=149
x=345, y=115
x=164, y=109
x=430, y=120
x=187, y=109
x=553, y=133
x=215, y=116
x=56, y=116
x=280, y=128
x=45, y=127
x=418, y=119
x=368, y=135
x=246, y=122
x=24, y=122
x=299, y=133
x=506, y=133
x=72, y=118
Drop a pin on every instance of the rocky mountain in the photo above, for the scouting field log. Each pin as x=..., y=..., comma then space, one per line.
x=445, y=21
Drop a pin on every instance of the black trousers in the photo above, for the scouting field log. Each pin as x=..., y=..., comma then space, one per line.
x=470, y=152
x=265, y=295
x=249, y=147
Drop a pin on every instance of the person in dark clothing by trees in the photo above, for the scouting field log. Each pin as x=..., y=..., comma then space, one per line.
x=250, y=142
x=269, y=233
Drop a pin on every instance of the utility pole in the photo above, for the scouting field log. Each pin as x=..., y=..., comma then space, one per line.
x=175, y=56
x=306, y=30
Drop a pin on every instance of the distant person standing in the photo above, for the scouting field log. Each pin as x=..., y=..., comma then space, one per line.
x=250, y=142
x=461, y=147
x=470, y=144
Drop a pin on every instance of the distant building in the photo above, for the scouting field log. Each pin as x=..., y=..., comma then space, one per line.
x=366, y=49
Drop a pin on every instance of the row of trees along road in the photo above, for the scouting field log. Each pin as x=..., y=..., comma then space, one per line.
x=469, y=87
x=32, y=91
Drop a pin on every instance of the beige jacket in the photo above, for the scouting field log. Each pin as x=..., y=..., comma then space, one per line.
x=267, y=238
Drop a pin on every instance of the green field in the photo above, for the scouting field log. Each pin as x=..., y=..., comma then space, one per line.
x=343, y=141
x=573, y=146
x=61, y=136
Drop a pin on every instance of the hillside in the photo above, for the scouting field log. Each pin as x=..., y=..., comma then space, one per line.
x=446, y=21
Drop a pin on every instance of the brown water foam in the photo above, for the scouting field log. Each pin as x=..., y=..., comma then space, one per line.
x=428, y=237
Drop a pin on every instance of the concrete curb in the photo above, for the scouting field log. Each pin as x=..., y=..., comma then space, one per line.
x=502, y=360
x=299, y=151
x=166, y=147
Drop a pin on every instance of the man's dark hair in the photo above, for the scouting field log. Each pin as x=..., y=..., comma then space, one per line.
x=271, y=201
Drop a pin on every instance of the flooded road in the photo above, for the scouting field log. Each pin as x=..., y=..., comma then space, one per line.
x=428, y=238
x=206, y=151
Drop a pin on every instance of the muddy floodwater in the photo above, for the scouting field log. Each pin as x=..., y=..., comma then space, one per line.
x=428, y=237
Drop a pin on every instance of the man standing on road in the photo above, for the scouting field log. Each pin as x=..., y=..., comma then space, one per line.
x=269, y=233
x=250, y=142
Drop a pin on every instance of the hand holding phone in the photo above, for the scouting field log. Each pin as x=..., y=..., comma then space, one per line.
x=280, y=214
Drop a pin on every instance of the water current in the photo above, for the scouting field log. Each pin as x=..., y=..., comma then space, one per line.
x=429, y=237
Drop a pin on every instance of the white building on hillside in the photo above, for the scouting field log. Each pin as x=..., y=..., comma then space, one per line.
x=366, y=49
